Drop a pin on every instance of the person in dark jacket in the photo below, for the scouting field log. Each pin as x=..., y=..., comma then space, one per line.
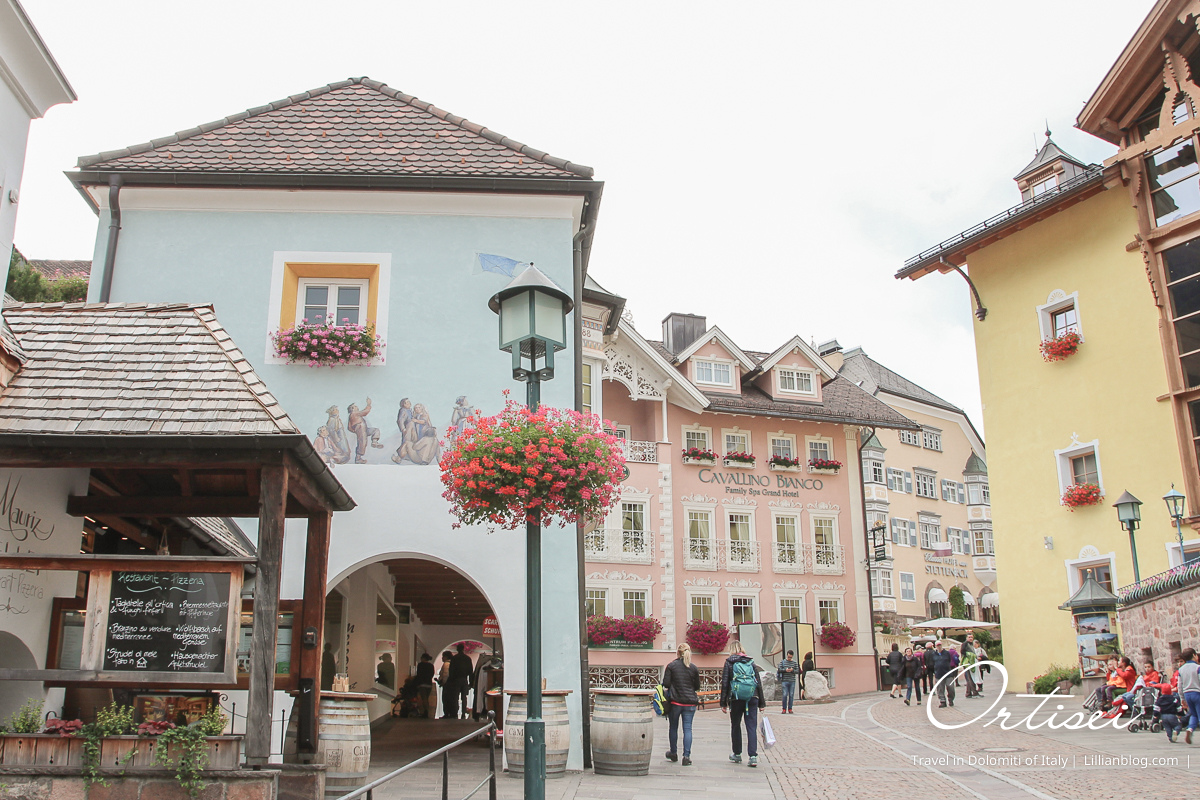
x=806, y=667
x=943, y=663
x=741, y=708
x=425, y=682
x=1168, y=711
x=914, y=665
x=459, y=682
x=786, y=673
x=927, y=678
x=681, y=679
x=895, y=662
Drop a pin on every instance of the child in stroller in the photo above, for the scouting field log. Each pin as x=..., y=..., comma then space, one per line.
x=1142, y=708
x=406, y=704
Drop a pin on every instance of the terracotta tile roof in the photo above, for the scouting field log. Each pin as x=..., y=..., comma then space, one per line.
x=54, y=269
x=842, y=402
x=353, y=127
x=130, y=369
x=874, y=377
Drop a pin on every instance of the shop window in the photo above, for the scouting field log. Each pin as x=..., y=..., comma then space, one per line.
x=595, y=603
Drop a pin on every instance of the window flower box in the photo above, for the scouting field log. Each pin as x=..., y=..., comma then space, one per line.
x=695, y=455
x=1061, y=347
x=783, y=464
x=824, y=466
x=1081, y=494
x=739, y=460
x=327, y=345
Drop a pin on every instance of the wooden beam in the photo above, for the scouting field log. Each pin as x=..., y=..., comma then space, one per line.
x=132, y=679
x=85, y=563
x=136, y=458
x=304, y=488
x=273, y=494
x=158, y=506
x=312, y=615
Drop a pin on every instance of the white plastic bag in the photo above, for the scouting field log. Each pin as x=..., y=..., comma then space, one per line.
x=768, y=733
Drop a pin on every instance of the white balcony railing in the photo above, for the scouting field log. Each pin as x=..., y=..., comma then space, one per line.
x=619, y=546
x=826, y=559
x=740, y=556
x=788, y=557
x=700, y=554
x=642, y=452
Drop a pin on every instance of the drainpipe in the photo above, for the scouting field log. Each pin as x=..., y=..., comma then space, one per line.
x=862, y=483
x=577, y=345
x=114, y=230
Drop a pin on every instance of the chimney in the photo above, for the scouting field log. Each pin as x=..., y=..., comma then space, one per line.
x=831, y=352
x=680, y=330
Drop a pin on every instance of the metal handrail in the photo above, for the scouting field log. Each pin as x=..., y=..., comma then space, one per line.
x=489, y=729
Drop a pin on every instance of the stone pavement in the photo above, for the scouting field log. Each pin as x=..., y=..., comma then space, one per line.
x=864, y=746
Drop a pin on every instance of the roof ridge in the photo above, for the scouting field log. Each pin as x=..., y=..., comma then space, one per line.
x=61, y=306
x=208, y=318
x=538, y=155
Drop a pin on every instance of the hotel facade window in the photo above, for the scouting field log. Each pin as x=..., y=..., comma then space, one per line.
x=931, y=532
x=596, y=602
x=736, y=442
x=931, y=439
x=783, y=447
x=702, y=606
x=786, y=542
x=908, y=586
x=910, y=437
x=829, y=610
x=926, y=484
x=791, y=608
x=741, y=548
x=697, y=439
x=700, y=550
x=743, y=610
x=985, y=545
x=716, y=373
x=634, y=603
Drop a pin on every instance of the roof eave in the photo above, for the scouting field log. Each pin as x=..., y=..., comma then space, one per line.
x=836, y=419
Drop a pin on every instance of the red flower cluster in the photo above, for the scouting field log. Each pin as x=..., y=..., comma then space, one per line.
x=603, y=629
x=696, y=452
x=154, y=727
x=783, y=461
x=640, y=630
x=1081, y=494
x=327, y=344
x=63, y=727
x=523, y=466
x=707, y=637
x=741, y=458
x=837, y=636
x=1059, y=348
x=824, y=463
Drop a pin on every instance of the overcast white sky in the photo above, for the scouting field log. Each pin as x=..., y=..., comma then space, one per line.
x=768, y=165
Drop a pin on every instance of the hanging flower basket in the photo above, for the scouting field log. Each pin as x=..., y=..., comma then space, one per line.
x=783, y=464
x=824, y=465
x=532, y=466
x=696, y=455
x=1081, y=494
x=837, y=636
x=740, y=460
x=327, y=345
x=707, y=637
x=1061, y=347
x=640, y=630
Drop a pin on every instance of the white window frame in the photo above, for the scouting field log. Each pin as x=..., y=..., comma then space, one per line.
x=813, y=516
x=727, y=432
x=802, y=616
x=1174, y=559
x=911, y=595
x=625, y=599
x=874, y=472
x=332, y=285
x=975, y=498
x=931, y=439
x=818, y=596
x=881, y=578
x=1044, y=185
x=986, y=536
x=932, y=537
x=929, y=475
x=743, y=594
x=1077, y=566
x=798, y=544
x=810, y=440
x=1045, y=312
x=696, y=429
x=790, y=438
x=909, y=437
x=713, y=595
x=713, y=538
x=796, y=374
x=899, y=480
x=589, y=589
x=597, y=404
x=714, y=362
x=1062, y=460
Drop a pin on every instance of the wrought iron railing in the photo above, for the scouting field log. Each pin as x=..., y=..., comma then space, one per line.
x=826, y=559
x=1174, y=578
x=619, y=545
x=488, y=730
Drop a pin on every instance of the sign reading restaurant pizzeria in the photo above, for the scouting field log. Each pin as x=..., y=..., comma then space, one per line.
x=164, y=626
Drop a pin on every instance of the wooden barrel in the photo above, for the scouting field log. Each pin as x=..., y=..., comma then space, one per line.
x=558, y=733
x=622, y=731
x=343, y=740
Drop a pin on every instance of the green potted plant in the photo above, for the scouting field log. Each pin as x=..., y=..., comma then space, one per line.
x=23, y=742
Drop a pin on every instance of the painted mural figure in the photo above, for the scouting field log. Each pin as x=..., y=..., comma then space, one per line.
x=404, y=422
x=418, y=438
x=339, y=447
x=323, y=444
x=358, y=426
x=460, y=416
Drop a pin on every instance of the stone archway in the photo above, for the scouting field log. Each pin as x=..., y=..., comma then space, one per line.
x=14, y=694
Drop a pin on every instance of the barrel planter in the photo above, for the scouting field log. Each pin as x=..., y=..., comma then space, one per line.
x=343, y=740
x=622, y=731
x=558, y=732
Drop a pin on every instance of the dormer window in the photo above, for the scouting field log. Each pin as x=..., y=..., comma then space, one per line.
x=1043, y=186
x=716, y=373
x=795, y=381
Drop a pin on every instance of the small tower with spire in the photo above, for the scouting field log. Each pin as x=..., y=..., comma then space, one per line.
x=1050, y=168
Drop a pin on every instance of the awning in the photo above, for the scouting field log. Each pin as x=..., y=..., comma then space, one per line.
x=989, y=600
x=937, y=595
x=968, y=599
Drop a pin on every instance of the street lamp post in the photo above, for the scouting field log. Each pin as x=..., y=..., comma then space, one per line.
x=1129, y=512
x=533, y=326
x=1175, y=507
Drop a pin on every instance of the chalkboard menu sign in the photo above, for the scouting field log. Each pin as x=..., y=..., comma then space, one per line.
x=167, y=622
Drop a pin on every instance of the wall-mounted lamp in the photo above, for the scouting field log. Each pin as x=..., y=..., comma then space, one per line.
x=1048, y=541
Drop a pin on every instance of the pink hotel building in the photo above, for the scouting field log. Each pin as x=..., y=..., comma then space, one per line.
x=727, y=540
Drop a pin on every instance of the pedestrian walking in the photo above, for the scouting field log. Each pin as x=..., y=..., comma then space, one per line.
x=1166, y=705
x=741, y=697
x=943, y=663
x=927, y=677
x=895, y=662
x=681, y=679
x=424, y=683
x=1189, y=691
x=449, y=699
x=460, y=681
x=969, y=657
x=786, y=674
x=913, y=667
x=806, y=667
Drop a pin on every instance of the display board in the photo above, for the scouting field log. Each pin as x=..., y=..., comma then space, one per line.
x=768, y=642
x=168, y=626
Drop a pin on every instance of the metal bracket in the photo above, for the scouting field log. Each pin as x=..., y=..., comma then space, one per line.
x=980, y=310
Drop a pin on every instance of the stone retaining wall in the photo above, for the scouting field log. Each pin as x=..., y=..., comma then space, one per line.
x=65, y=783
x=1160, y=626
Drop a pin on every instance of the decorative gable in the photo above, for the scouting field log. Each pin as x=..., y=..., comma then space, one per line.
x=712, y=368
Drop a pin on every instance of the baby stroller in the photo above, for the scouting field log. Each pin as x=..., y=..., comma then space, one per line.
x=406, y=704
x=1142, y=711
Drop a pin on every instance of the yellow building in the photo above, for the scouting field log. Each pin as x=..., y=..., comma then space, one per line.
x=1076, y=257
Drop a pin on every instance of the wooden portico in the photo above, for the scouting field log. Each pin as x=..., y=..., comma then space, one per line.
x=171, y=423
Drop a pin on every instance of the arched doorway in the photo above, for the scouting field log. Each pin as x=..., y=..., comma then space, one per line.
x=13, y=694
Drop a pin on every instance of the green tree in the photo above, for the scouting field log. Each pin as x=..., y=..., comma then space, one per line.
x=25, y=283
x=69, y=290
x=958, y=608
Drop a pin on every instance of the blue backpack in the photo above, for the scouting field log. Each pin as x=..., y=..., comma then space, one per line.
x=659, y=700
x=744, y=682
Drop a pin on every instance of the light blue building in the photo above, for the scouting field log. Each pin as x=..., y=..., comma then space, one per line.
x=358, y=200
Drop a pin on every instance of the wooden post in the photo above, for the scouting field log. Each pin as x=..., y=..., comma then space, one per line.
x=316, y=568
x=273, y=500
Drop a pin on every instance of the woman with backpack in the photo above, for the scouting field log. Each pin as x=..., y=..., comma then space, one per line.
x=681, y=679
x=742, y=693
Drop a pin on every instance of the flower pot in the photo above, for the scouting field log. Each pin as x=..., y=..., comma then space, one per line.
x=705, y=461
x=824, y=470
x=731, y=464
x=781, y=468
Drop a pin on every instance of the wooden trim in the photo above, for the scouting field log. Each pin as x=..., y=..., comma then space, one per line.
x=273, y=493
x=94, y=676
x=89, y=563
